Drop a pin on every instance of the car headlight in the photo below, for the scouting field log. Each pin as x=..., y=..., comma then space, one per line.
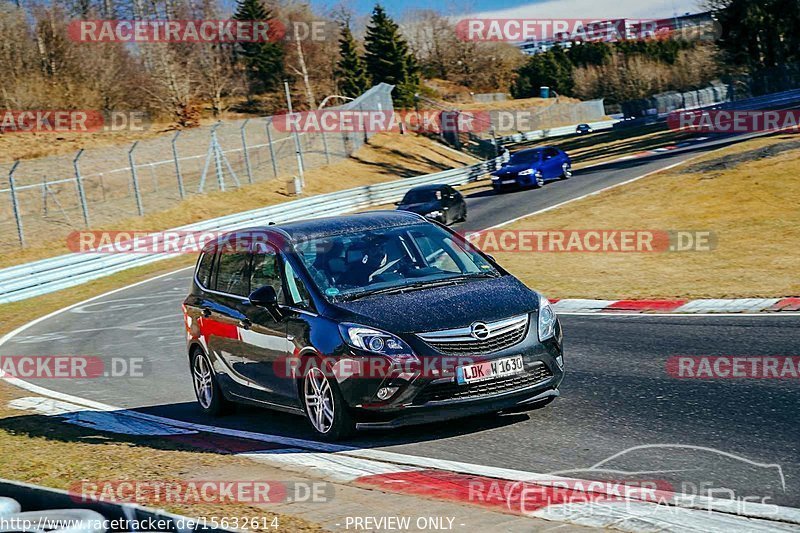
x=547, y=319
x=525, y=172
x=495, y=178
x=376, y=341
x=434, y=214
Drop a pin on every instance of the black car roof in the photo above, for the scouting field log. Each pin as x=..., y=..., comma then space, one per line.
x=429, y=187
x=321, y=227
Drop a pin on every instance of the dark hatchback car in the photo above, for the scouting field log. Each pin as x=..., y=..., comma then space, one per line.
x=532, y=167
x=441, y=203
x=377, y=319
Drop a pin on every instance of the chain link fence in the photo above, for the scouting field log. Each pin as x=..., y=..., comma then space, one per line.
x=47, y=198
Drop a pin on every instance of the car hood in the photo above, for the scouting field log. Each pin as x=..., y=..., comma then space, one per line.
x=514, y=169
x=446, y=307
x=422, y=208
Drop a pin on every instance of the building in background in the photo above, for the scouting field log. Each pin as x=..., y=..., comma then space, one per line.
x=692, y=26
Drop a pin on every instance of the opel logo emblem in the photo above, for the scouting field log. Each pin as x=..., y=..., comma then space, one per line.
x=479, y=330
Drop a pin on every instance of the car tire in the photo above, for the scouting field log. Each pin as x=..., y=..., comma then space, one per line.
x=566, y=171
x=463, y=215
x=206, y=387
x=317, y=385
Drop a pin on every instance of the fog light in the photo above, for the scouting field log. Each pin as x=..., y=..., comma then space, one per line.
x=560, y=361
x=384, y=393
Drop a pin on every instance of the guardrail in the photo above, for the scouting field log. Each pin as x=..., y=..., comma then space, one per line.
x=57, y=273
x=46, y=506
x=554, y=132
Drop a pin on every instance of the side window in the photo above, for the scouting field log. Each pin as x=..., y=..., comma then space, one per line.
x=298, y=294
x=204, y=269
x=232, y=273
x=266, y=271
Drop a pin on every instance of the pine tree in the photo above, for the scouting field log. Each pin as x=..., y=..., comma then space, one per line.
x=351, y=76
x=263, y=61
x=388, y=59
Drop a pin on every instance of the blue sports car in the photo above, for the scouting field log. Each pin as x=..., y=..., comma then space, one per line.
x=532, y=167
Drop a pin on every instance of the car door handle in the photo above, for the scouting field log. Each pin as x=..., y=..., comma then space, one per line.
x=245, y=323
x=206, y=312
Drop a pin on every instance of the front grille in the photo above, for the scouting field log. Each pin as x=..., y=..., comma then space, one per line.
x=461, y=341
x=481, y=347
x=453, y=391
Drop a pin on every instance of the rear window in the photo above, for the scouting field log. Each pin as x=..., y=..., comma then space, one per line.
x=422, y=196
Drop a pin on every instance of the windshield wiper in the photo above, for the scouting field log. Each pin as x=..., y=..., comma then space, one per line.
x=454, y=280
x=477, y=275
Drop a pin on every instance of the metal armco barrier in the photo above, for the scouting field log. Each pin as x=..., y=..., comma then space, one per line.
x=43, y=503
x=554, y=132
x=57, y=273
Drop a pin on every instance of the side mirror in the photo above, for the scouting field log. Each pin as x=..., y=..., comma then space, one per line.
x=264, y=297
x=397, y=203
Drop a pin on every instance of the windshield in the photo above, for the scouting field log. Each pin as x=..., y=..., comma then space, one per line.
x=525, y=157
x=360, y=263
x=421, y=196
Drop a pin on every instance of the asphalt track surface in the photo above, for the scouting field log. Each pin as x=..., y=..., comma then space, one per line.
x=618, y=401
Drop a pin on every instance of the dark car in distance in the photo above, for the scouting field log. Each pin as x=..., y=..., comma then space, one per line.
x=583, y=129
x=438, y=202
x=532, y=167
x=372, y=320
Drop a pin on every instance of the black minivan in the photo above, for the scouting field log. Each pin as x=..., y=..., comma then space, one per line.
x=371, y=320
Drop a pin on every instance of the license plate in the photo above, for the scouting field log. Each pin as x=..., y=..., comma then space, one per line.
x=508, y=182
x=498, y=368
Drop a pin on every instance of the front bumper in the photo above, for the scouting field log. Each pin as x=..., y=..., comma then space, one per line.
x=435, y=395
x=514, y=400
x=514, y=182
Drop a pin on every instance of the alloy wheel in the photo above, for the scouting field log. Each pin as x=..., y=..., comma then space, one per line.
x=203, y=381
x=319, y=400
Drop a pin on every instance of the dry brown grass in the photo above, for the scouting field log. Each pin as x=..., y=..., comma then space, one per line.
x=37, y=449
x=388, y=156
x=751, y=206
x=521, y=103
